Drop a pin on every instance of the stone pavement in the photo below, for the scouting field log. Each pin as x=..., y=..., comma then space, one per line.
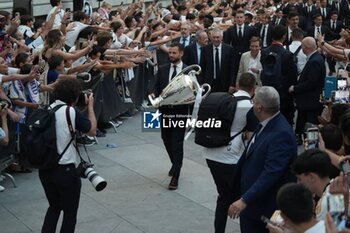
x=136, y=198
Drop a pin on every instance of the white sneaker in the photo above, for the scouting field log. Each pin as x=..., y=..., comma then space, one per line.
x=1, y=188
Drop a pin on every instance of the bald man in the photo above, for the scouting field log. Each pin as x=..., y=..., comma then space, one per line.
x=309, y=86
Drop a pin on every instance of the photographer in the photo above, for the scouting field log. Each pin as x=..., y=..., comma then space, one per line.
x=62, y=184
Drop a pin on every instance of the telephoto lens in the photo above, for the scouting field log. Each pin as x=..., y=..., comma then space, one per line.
x=97, y=181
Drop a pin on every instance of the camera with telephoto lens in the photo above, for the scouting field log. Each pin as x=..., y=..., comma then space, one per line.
x=84, y=95
x=86, y=170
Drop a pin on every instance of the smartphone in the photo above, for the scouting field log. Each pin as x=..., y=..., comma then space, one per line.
x=335, y=206
x=312, y=135
x=267, y=220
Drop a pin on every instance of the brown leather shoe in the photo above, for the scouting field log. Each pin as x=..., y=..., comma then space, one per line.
x=174, y=183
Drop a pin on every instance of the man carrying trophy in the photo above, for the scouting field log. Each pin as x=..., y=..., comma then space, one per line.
x=172, y=135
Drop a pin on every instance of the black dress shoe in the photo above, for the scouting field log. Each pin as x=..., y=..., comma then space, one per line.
x=174, y=183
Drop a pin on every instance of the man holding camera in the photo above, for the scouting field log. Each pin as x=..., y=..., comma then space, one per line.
x=62, y=184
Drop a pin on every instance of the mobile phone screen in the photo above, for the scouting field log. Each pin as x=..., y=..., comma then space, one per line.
x=335, y=203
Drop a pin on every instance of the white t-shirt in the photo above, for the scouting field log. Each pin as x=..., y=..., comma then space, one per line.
x=63, y=135
x=230, y=154
x=25, y=31
x=58, y=17
x=72, y=36
x=317, y=228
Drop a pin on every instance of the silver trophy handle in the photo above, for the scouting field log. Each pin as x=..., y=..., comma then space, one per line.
x=191, y=67
x=208, y=91
x=155, y=101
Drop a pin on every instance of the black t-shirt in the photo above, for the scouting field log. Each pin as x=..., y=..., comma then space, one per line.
x=82, y=123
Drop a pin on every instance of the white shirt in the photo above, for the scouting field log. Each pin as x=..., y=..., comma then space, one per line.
x=199, y=51
x=25, y=31
x=264, y=40
x=214, y=52
x=317, y=228
x=242, y=28
x=72, y=35
x=230, y=154
x=178, y=69
x=317, y=29
x=301, y=55
x=58, y=17
x=63, y=135
x=187, y=41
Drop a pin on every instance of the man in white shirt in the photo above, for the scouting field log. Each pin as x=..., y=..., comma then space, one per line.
x=295, y=48
x=59, y=15
x=295, y=202
x=222, y=160
x=80, y=22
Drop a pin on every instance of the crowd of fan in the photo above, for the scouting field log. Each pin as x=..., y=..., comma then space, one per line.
x=35, y=54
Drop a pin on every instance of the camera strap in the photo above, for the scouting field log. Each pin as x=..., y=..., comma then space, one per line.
x=73, y=135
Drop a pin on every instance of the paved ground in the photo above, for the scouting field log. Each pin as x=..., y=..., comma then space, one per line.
x=136, y=199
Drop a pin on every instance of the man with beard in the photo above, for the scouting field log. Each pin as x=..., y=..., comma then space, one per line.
x=173, y=137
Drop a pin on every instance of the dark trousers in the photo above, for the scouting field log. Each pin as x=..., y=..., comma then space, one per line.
x=223, y=175
x=62, y=188
x=173, y=140
x=249, y=225
x=287, y=109
x=305, y=116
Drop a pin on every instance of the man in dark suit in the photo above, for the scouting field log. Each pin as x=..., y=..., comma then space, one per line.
x=319, y=28
x=265, y=164
x=289, y=72
x=324, y=10
x=265, y=31
x=345, y=12
x=309, y=86
x=335, y=26
x=186, y=39
x=279, y=19
x=293, y=23
x=192, y=53
x=217, y=62
x=172, y=136
x=238, y=37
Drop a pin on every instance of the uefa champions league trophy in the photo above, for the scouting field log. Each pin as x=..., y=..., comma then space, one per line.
x=182, y=89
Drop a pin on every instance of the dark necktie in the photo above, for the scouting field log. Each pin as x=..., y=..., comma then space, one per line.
x=174, y=72
x=217, y=64
x=277, y=21
x=240, y=34
x=184, y=39
x=309, y=9
x=318, y=30
x=333, y=25
x=263, y=32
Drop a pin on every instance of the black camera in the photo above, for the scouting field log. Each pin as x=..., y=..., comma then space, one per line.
x=82, y=98
x=4, y=104
x=86, y=170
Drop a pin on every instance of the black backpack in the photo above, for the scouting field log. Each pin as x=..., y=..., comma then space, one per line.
x=39, y=139
x=271, y=74
x=295, y=54
x=219, y=106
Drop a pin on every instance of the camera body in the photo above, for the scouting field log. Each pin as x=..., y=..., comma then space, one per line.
x=86, y=171
x=82, y=98
x=4, y=104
